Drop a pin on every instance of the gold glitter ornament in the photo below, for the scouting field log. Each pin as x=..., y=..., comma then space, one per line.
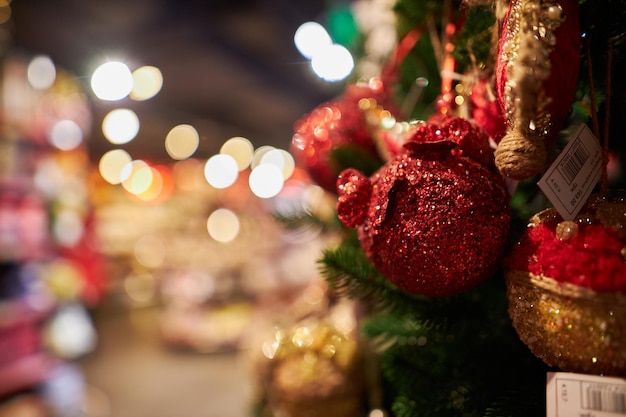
x=574, y=319
x=314, y=369
x=566, y=230
x=569, y=327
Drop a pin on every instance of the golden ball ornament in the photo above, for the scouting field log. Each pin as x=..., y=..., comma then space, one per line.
x=566, y=287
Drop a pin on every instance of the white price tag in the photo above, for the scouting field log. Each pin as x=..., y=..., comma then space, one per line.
x=572, y=177
x=580, y=395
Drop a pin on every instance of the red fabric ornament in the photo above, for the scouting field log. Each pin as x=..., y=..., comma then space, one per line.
x=432, y=221
x=536, y=75
x=560, y=86
x=335, y=124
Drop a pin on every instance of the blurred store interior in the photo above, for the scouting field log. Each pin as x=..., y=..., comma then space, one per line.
x=137, y=278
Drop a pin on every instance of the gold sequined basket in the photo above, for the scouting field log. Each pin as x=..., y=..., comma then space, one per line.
x=567, y=326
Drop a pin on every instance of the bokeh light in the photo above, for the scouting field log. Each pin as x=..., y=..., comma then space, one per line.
x=182, y=141
x=41, y=72
x=66, y=135
x=266, y=180
x=259, y=153
x=310, y=38
x=5, y=12
x=112, y=81
x=221, y=171
x=282, y=159
x=70, y=332
x=137, y=177
x=111, y=165
x=241, y=149
x=147, y=82
x=120, y=126
x=334, y=63
x=223, y=225
x=161, y=185
x=68, y=228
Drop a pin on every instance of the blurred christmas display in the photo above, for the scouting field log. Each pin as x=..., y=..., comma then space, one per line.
x=50, y=267
x=403, y=258
x=472, y=282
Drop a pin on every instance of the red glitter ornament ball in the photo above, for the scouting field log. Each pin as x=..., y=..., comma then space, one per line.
x=471, y=139
x=334, y=124
x=433, y=221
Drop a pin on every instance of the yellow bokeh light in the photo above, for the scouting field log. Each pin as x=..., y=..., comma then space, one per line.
x=5, y=14
x=241, y=149
x=182, y=141
x=147, y=82
x=221, y=171
x=259, y=153
x=282, y=159
x=137, y=177
x=155, y=187
x=120, y=126
x=111, y=165
x=223, y=225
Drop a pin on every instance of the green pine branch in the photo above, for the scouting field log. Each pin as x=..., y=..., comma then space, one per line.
x=350, y=274
x=306, y=219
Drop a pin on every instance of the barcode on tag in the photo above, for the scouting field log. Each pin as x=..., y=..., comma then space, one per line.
x=573, y=175
x=570, y=394
x=604, y=397
x=573, y=161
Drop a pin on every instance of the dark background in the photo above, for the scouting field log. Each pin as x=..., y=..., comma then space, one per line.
x=230, y=68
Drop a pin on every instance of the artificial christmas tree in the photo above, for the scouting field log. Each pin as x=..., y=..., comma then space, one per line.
x=532, y=69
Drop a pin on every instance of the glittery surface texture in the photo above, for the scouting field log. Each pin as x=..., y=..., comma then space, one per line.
x=569, y=327
x=355, y=190
x=437, y=222
x=333, y=124
x=472, y=140
x=315, y=370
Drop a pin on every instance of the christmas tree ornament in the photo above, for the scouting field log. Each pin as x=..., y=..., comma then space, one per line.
x=433, y=221
x=388, y=133
x=313, y=368
x=536, y=76
x=566, y=283
x=486, y=110
x=339, y=123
